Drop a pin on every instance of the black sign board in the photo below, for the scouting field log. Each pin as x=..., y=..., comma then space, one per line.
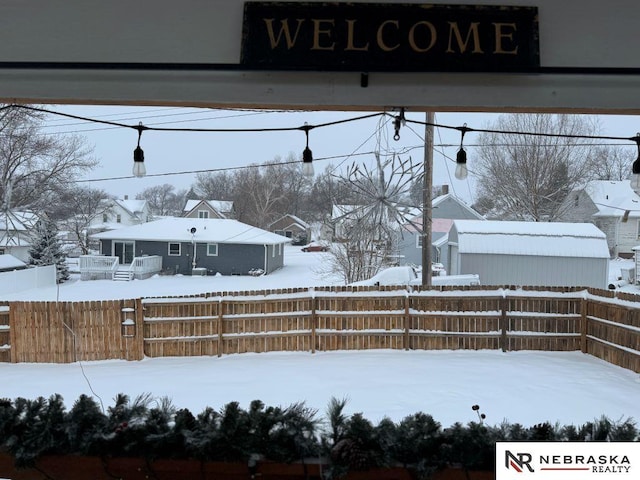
x=373, y=37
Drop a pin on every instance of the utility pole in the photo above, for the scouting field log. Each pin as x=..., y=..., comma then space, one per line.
x=427, y=209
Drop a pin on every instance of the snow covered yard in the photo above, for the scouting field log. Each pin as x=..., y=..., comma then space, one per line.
x=525, y=387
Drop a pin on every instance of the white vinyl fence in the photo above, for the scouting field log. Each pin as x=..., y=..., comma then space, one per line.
x=19, y=280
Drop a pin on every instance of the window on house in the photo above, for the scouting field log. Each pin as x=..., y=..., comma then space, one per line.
x=288, y=234
x=1, y=251
x=174, y=249
x=118, y=218
x=279, y=232
x=203, y=213
x=105, y=218
x=212, y=249
x=419, y=241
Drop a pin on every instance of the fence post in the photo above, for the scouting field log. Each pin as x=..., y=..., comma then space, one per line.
x=503, y=322
x=220, y=325
x=314, y=318
x=407, y=320
x=583, y=324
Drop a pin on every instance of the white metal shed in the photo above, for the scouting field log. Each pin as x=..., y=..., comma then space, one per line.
x=530, y=253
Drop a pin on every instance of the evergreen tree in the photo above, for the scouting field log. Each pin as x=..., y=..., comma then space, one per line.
x=46, y=249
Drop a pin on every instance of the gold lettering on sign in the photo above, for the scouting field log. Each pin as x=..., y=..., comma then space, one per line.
x=501, y=35
x=350, y=36
x=454, y=31
x=412, y=37
x=284, y=30
x=379, y=37
x=319, y=31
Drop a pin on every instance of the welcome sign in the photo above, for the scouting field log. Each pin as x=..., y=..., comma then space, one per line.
x=368, y=37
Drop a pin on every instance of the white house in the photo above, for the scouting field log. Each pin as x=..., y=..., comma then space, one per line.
x=121, y=213
x=612, y=207
x=15, y=233
x=529, y=253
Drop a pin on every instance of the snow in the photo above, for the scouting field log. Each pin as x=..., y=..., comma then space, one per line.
x=528, y=387
x=178, y=229
x=531, y=238
x=9, y=261
x=613, y=198
x=524, y=387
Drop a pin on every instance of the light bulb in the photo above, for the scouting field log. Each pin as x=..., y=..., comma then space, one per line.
x=139, y=170
x=461, y=171
x=307, y=163
x=307, y=169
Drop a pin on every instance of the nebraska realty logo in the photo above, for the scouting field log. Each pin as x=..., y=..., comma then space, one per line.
x=567, y=460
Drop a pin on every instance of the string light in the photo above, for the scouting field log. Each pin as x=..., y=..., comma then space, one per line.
x=635, y=168
x=461, y=157
x=139, y=169
x=307, y=155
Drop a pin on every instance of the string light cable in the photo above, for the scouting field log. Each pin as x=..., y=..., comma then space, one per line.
x=400, y=121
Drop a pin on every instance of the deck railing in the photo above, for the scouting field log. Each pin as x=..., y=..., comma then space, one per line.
x=144, y=267
x=104, y=267
x=93, y=267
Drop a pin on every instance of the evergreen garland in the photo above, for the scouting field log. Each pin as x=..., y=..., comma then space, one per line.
x=31, y=428
x=46, y=249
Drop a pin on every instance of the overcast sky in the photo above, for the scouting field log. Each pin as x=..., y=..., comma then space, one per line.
x=172, y=157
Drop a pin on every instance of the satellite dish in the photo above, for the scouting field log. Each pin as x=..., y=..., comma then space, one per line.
x=193, y=230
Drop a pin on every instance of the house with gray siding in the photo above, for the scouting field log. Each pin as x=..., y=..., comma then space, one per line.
x=445, y=208
x=292, y=227
x=529, y=253
x=613, y=207
x=210, y=246
x=208, y=209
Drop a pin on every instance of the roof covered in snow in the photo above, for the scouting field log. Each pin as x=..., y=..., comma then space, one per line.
x=613, y=198
x=8, y=262
x=550, y=239
x=220, y=206
x=207, y=230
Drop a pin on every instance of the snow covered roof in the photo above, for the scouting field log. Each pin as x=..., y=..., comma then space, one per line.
x=550, y=239
x=18, y=220
x=132, y=206
x=208, y=230
x=221, y=206
x=9, y=261
x=613, y=198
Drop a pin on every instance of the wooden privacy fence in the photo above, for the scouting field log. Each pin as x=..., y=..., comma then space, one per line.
x=329, y=318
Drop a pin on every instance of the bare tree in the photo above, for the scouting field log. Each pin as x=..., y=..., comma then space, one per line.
x=163, y=199
x=77, y=207
x=33, y=166
x=214, y=186
x=526, y=177
x=610, y=162
x=259, y=194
